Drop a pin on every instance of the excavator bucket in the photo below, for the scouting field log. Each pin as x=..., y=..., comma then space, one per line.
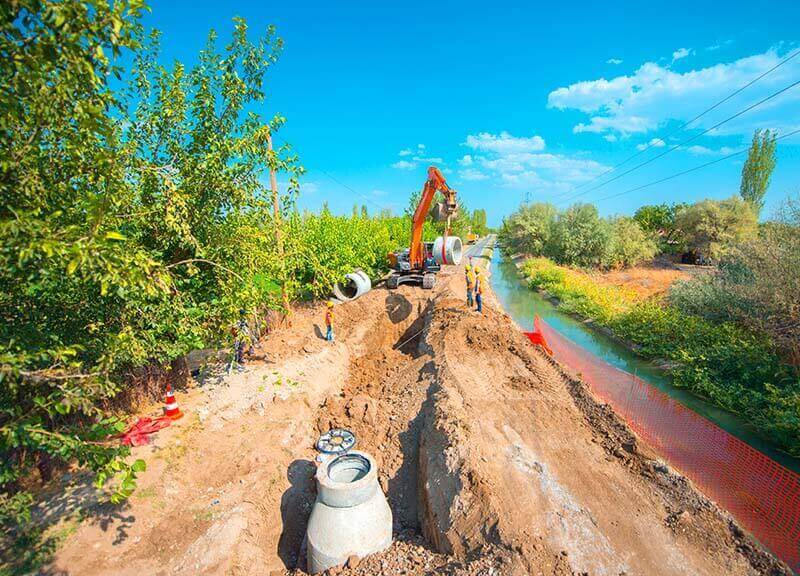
x=442, y=211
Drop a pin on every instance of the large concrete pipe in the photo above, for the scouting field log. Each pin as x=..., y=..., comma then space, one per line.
x=447, y=250
x=355, y=284
x=351, y=516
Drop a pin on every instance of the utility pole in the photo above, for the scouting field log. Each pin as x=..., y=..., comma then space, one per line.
x=276, y=215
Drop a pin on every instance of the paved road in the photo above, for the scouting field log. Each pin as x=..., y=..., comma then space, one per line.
x=477, y=248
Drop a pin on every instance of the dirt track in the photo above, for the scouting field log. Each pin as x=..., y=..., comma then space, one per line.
x=493, y=460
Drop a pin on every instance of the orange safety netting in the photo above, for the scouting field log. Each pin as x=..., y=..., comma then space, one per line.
x=761, y=494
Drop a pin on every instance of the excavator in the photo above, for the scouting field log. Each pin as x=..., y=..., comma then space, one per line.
x=420, y=262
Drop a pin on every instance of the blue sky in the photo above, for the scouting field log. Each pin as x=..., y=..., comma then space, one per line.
x=515, y=99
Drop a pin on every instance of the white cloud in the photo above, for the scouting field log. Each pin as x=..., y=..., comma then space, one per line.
x=472, y=174
x=428, y=160
x=703, y=151
x=519, y=163
x=655, y=94
x=681, y=53
x=378, y=193
x=714, y=47
x=654, y=143
x=610, y=137
x=504, y=143
x=404, y=165
x=405, y=152
x=420, y=147
x=614, y=61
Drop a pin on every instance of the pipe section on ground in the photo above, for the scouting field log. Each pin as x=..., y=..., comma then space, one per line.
x=447, y=250
x=351, y=516
x=355, y=285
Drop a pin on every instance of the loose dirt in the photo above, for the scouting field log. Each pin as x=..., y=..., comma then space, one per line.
x=493, y=459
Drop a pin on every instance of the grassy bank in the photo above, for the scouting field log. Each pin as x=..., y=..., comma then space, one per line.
x=736, y=369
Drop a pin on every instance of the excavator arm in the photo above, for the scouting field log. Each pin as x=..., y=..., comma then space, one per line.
x=435, y=183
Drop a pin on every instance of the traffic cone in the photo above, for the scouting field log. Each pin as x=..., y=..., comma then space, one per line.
x=171, y=409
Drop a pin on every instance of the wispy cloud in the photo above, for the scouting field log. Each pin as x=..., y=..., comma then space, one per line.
x=614, y=61
x=655, y=94
x=703, y=151
x=472, y=174
x=654, y=143
x=681, y=53
x=504, y=143
x=428, y=160
x=518, y=162
x=404, y=165
x=405, y=152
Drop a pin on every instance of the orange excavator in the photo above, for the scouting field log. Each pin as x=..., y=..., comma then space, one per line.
x=422, y=260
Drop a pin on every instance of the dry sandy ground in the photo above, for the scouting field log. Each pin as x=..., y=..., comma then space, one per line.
x=494, y=461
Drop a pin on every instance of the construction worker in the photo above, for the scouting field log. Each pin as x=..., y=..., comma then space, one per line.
x=242, y=339
x=478, y=290
x=329, y=322
x=470, y=278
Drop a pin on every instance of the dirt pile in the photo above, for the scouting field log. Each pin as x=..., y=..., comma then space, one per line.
x=493, y=460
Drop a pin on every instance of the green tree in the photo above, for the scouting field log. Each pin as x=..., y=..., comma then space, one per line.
x=758, y=168
x=711, y=227
x=658, y=220
x=628, y=244
x=580, y=237
x=529, y=229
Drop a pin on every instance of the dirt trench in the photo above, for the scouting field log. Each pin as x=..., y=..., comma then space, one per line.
x=494, y=461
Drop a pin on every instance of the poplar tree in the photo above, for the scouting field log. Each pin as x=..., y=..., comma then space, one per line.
x=758, y=168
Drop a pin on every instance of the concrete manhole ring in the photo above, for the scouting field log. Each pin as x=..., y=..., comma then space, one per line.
x=336, y=441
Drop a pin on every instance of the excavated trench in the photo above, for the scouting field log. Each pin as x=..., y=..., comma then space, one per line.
x=463, y=418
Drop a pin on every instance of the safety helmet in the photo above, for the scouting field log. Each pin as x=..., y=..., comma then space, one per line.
x=330, y=304
x=477, y=270
x=467, y=267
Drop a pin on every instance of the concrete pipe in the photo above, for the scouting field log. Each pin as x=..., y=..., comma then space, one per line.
x=447, y=250
x=351, y=516
x=355, y=285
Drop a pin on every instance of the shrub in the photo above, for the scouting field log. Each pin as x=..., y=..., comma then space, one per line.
x=711, y=227
x=628, y=244
x=580, y=237
x=529, y=229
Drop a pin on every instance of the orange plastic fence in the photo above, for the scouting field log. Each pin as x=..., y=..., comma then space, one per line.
x=761, y=494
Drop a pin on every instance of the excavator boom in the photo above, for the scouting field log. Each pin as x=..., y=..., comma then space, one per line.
x=435, y=183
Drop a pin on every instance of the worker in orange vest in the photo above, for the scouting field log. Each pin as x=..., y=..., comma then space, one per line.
x=478, y=290
x=470, y=278
x=329, y=322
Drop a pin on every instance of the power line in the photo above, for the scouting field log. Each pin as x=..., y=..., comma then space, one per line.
x=727, y=157
x=337, y=181
x=676, y=146
x=685, y=124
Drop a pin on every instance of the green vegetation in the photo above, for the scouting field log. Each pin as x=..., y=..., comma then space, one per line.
x=735, y=368
x=709, y=228
x=577, y=236
x=134, y=224
x=758, y=168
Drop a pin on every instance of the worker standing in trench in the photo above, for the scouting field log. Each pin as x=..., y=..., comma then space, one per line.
x=478, y=290
x=470, y=278
x=329, y=322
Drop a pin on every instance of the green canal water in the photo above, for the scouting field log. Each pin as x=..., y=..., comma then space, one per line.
x=522, y=304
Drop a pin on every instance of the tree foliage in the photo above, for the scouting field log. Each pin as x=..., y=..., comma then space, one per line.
x=577, y=236
x=758, y=168
x=710, y=227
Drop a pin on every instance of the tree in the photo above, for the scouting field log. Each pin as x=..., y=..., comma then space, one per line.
x=711, y=227
x=628, y=244
x=758, y=168
x=658, y=220
x=580, y=237
x=529, y=229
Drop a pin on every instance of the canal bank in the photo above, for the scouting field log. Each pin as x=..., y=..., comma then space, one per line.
x=523, y=304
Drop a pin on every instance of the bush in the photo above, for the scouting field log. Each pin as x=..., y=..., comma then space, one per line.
x=756, y=284
x=528, y=230
x=628, y=244
x=580, y=237
x=711, y=227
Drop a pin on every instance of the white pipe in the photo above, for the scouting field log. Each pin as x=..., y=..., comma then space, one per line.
x=447, y=250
